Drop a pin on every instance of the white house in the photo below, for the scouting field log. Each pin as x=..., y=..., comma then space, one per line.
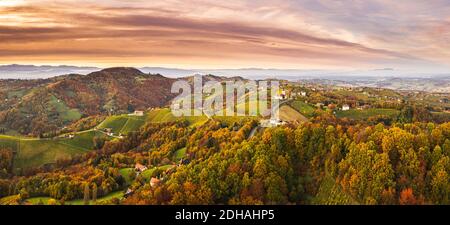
x=345, y=107
x=137, y=113
x=278, y=97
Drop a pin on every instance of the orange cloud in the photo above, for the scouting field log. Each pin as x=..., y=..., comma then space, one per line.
x=211, y=35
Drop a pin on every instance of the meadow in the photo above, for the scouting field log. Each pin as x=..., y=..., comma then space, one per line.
x=305, y=109
x=365, y=114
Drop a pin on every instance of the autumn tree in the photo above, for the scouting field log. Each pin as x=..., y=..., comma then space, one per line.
x=86, y=194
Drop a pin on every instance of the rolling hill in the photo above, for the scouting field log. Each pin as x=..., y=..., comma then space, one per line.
x=33, y=152
x=42, y=107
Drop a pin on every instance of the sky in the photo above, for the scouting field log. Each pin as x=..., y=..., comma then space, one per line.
x=283, y=34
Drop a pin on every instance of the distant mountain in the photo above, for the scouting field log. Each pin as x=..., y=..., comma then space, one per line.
x=168, y=72
x=33, y=72
x=15, y=71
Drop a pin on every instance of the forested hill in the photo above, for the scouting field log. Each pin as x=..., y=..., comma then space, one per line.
x=312, y=163
x=39, y=107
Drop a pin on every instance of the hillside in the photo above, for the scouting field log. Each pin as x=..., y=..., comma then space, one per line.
x=42, y=107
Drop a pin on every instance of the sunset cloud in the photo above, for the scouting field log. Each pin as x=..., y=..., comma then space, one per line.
x=288, y=34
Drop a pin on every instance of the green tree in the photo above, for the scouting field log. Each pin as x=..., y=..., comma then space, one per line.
x=439, y=187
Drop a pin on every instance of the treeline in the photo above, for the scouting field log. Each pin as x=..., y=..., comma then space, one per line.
x=65, y=185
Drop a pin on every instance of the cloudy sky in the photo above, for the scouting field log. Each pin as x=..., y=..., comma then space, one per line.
x=302, y=34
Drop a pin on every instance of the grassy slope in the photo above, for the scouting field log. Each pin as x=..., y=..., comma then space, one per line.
x=83, y=140
x=66, y=114
x=180, y=153
x=164, y=115
x=116, y=123
x=289, y=114
x=304, y=108
x=364, y=114
x=123, y=123
x=126, y=174
x=36, y=152
x=117, y=194
x=9, y=142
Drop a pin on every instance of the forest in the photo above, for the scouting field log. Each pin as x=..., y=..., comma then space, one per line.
x=404, y=163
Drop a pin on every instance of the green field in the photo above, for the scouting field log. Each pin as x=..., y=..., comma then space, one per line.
x=147, y=175
x=66, y=114
x=123, y=123
x=9, y=142
x=16, y=93
x=83, y=139
x=304, y=108
x=365, y=114
x=180, y=153
x=331, y=193
x=347, y=93
x=37, y=152
x=164, y=115
x=44, y=200
x=126, y=174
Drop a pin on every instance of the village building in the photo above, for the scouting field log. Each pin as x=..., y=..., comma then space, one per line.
x=140, y=168
x=128, y=192
x=278, y=97
x=154, y=182
x=345, y=107
x=137, y=113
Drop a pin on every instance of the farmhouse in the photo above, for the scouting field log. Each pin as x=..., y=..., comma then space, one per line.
x=140, y=168
x=154, y=182
x=345, y=107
